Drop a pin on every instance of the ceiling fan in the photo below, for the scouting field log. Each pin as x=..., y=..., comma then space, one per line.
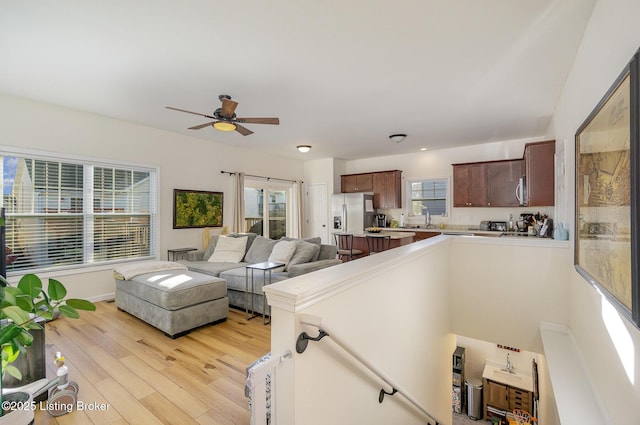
x=226, y=119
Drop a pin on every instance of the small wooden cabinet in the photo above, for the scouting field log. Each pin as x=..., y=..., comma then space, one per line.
x=540, y=171
x=469, y=185
x=496, y=394
x=387, y=189
x=504, y=397
x=356, y=183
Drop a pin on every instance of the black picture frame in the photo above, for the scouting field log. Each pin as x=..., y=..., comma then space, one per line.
x=197, y=208
x=607, y=194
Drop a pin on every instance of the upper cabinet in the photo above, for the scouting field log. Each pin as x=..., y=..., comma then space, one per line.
x=503, y=178
x=469, y=185
x=385, y=185
x=539, y=170
x=495, y=183
x=387, y=189
x=356, y=183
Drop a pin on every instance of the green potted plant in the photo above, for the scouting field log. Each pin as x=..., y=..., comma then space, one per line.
x=20, y=308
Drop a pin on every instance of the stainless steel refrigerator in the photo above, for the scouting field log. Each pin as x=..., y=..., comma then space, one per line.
x=352, y=212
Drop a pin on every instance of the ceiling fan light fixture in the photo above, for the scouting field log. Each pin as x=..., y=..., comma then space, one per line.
x=303, y=148
x=398, y=138
x=224, y=126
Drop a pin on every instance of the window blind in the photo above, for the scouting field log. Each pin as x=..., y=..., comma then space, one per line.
x=64, y=214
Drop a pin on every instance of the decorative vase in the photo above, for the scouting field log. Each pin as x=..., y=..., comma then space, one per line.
x=561, y=233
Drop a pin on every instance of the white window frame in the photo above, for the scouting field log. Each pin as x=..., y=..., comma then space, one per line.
x=448, y=196
x=88, y=164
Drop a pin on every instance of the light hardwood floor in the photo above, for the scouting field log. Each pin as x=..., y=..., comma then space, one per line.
x=131, y=373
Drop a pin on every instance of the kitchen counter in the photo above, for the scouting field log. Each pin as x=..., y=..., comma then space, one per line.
x=520, y=379
x=394, y=234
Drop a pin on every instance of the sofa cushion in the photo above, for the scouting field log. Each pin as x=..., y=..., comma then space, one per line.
x=229, y=250
x=250, y=238
x=314, y=240
x=305, y=251
x=282, y=252
x=213, y=269
x=260, y=250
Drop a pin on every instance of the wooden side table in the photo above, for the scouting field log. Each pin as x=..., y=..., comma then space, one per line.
x=267, y=266
x=177, y=253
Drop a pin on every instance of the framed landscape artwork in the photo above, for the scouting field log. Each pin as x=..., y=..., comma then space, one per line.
x=606, y=222
x=196, y=208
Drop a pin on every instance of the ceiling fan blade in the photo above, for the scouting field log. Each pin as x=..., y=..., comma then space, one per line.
x=228, y=107
x=243, y=130
x=275, y=121
x=198, y=127
x=189, y=112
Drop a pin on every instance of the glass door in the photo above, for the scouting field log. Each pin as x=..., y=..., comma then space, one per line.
x=267, y=209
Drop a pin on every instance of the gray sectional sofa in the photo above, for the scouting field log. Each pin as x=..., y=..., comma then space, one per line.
x=309, y=255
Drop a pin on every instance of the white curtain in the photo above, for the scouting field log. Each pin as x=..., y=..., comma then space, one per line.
x=298, y=223
x=238, y=206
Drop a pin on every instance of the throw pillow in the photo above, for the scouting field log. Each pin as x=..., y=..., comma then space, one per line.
x=304, y=252
x=260, y=250
x=213, y=241
x=315, y=240
x=229, y=250
x=282, y=252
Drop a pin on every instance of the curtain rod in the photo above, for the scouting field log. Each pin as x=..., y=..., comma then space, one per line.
x=231, y=173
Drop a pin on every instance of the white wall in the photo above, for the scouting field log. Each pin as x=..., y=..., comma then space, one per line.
x=610, y=40
x=185, y=163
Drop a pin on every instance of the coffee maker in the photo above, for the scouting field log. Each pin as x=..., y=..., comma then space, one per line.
x=380, y=220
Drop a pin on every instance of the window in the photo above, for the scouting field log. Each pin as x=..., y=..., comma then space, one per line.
x=275, y=215
x=428, y=195
x=66, y=213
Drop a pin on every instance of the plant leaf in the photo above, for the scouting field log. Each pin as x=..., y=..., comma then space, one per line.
x=30, y=284
x=8, y=333
x=12, y=370
x=25, y=302
x=81, y=304
x=15, y=313
x=56, y=290
x=68, y=311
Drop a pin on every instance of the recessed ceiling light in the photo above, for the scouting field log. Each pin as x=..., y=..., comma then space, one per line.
x=303, y=148
x=423, y=149
x=398, y=137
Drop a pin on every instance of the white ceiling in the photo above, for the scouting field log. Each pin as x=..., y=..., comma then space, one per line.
x=342, y=75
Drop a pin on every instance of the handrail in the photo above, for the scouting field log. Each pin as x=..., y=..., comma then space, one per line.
x=304, y=338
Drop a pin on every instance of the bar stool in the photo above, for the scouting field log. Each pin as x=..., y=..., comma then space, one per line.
x=378, y=243
x=344, y=242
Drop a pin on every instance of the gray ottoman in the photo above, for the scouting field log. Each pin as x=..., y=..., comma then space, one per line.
x=174, y=301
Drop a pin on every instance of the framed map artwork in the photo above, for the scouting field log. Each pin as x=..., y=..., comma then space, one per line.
x=606, y=222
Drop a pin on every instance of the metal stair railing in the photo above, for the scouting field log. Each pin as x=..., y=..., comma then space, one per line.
x=304, y=338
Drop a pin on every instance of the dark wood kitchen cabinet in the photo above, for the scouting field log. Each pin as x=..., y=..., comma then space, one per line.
x=502, y=180
x=469, y=185
x=387, y=189
x=539, y=161
x=350, y=183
